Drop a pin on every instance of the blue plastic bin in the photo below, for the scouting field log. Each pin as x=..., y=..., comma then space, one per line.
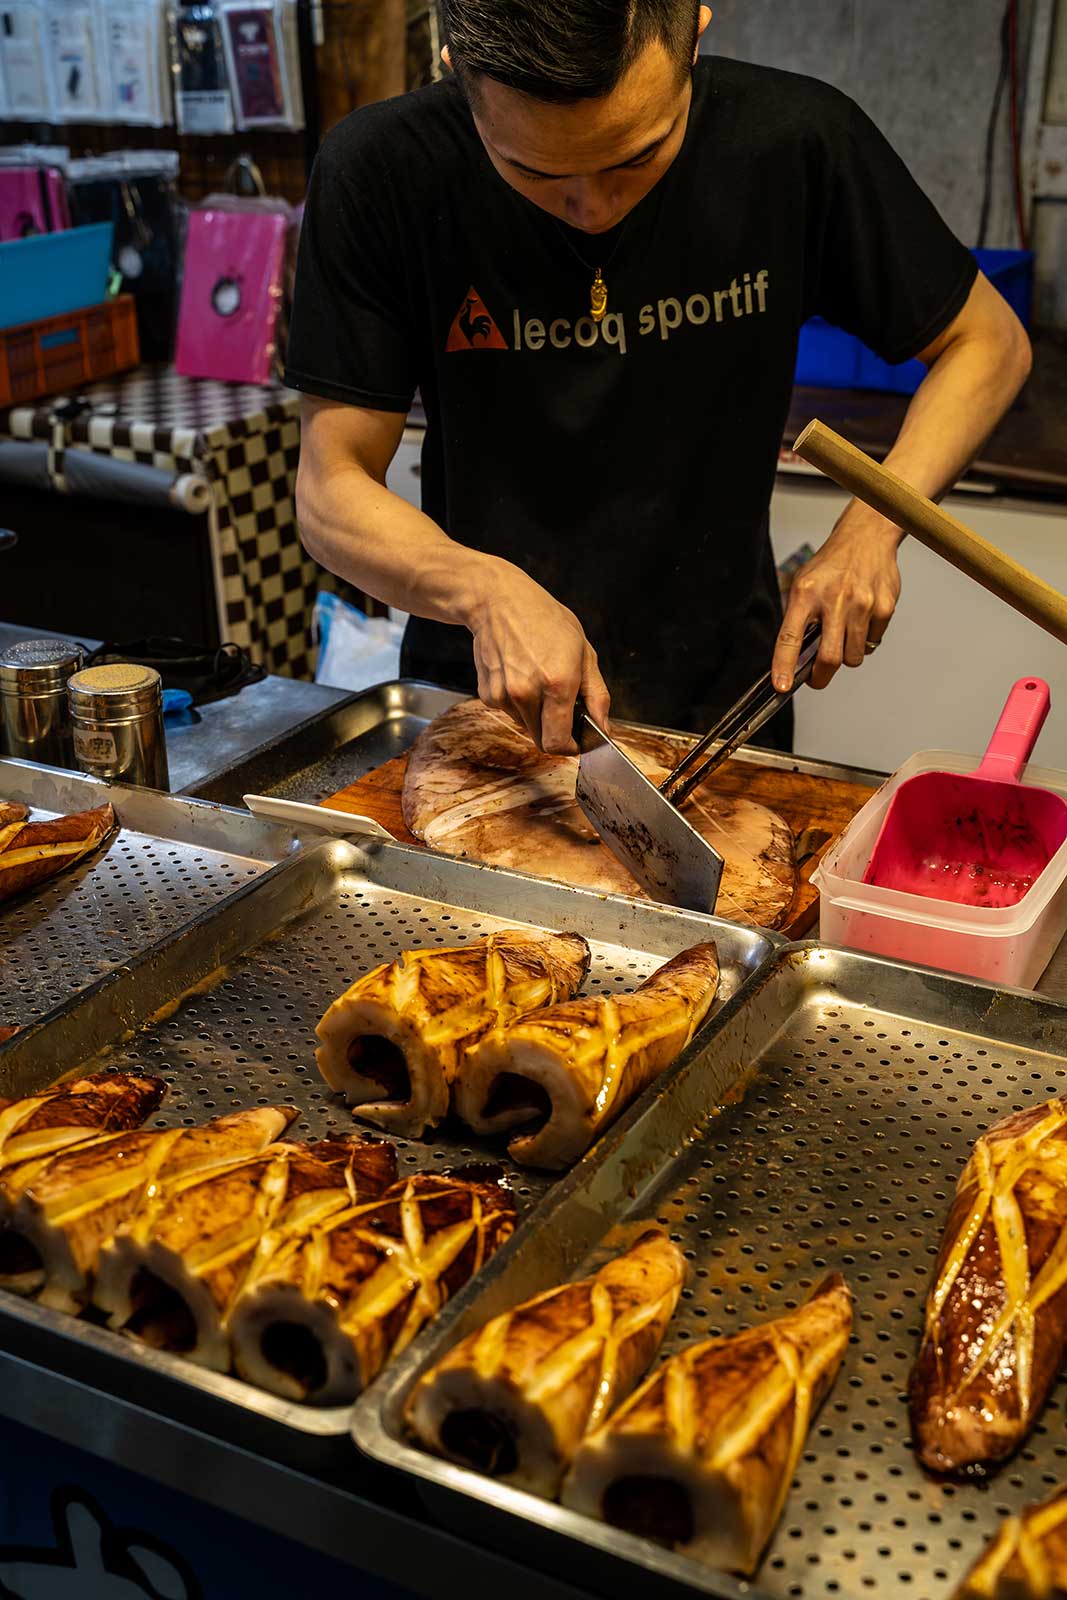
x=52, y=273
x=829, y=358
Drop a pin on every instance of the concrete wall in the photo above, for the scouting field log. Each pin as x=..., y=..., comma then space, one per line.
x=925, y=72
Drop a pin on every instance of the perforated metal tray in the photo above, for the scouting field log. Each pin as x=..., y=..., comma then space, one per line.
x=264, y=966
x=169, y=859
x=350, y=739
x=857, y=1089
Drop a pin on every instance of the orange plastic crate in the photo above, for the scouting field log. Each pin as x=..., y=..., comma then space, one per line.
x=58, y=354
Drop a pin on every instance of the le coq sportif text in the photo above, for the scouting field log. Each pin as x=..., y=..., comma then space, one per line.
x=746, y=296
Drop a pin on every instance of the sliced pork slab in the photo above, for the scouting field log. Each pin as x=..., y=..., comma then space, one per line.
x=68, y=1214
x=477, y=786
x=515, y=1399
x=702, y=1455
x=321, y=1317
x=392, y=1044
x=562, y=1075
x=996, y=1315
x=170, y=1275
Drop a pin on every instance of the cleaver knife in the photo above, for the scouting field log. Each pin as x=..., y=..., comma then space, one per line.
x=640, y=826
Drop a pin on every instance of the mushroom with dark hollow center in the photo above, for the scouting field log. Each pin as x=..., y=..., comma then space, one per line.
x=17, y=1255
x=481, y=1439
x=653, y=1508
x=511, y=1092
x=161, y=1316
x=291, y=1348
x=383, y=1062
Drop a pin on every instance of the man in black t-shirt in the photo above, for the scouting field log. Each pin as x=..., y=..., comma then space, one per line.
x=592, y=251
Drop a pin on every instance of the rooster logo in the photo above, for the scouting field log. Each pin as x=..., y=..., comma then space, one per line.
x=94, y=1560
x=473, y=328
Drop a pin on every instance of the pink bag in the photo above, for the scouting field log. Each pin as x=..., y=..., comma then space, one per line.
x=231, y=295
x=32, y=200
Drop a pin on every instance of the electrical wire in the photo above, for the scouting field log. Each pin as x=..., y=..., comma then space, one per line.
x=1007, y=79
x=991, y=131
x=1016, y=137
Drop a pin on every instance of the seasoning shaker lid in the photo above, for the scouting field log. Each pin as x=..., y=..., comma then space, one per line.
x=116, y=690
x=38, y=666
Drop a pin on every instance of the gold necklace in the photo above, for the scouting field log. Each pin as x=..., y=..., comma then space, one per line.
x=598, y=289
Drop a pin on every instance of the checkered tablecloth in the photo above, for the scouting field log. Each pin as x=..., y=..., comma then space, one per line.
x=245, y=441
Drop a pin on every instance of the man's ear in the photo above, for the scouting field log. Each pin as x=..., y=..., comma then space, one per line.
x=446, y=56
x=702, y=23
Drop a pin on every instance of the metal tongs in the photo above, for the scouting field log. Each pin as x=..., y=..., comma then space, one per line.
x=738, y=725
x=641, y=824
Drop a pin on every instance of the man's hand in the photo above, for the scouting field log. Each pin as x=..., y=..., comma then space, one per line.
x=852, y=586
x=533, y=659
x=976, y=368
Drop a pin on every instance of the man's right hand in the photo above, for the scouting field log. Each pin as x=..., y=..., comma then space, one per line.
x=534, y=660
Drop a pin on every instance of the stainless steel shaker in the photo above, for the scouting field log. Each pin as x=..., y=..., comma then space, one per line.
x=34, y=714
x=117, y=718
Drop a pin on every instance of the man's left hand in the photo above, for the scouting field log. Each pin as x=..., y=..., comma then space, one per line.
x=852, y=586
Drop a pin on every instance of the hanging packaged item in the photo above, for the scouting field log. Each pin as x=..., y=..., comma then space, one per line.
x=231, y=290
x=258, y=60
x=32, y=200
x=76, y=59
x=202, y=101
x=22, y=61
x=136, y=191
x=134, y=44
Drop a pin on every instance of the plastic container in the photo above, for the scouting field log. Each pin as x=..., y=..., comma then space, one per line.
x=829, y=358
x=53, y=273
x=1010, y=945
x=61, y=353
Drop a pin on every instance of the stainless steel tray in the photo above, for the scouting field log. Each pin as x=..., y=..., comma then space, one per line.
x=856, y=1088
x=350, y=739
x=169, y=860
x=263, y=967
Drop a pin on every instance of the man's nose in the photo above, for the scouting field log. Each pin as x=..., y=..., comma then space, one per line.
x=591, y=203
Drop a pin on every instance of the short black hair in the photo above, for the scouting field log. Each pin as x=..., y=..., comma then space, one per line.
x=562, y=50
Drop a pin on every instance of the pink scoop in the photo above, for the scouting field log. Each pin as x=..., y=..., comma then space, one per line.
x=982, y=839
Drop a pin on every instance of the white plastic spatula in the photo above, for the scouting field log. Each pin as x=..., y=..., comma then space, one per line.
x=271, y=809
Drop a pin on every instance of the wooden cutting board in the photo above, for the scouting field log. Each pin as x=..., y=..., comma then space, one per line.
x=817, y=810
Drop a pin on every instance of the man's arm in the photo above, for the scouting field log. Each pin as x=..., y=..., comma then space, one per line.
x=977, y=367
x=531, y=653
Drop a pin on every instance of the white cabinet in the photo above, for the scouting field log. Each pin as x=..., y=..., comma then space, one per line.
x=952, y=652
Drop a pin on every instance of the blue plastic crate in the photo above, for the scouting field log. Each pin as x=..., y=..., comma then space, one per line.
x=50, y=274
x=829, y=358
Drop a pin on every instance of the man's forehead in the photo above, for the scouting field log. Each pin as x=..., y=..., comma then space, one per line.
x=588, y=136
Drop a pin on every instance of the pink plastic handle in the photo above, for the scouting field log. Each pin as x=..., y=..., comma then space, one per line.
x=1016, y=733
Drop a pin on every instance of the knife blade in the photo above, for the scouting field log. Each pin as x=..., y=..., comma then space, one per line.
x=640, y=827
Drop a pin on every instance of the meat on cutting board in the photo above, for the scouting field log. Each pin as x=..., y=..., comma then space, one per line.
x=562, y=1075
x=701, y=1457
x=996, y=1315
x=319, y=1318
x=393, y=1042
x=477, y=786
x=72, y=1209
x=515, y=1399
x=171, y=1274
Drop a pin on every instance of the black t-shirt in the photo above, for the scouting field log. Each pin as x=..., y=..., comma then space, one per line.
x=627, y=467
